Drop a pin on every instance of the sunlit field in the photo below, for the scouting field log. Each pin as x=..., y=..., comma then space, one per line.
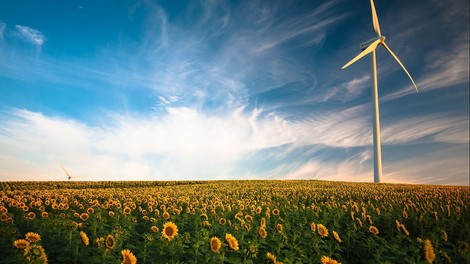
x=233, y=222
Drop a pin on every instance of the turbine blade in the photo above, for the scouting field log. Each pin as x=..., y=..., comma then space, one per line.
x=368, y=50
x=65, y=171
x=375, y=19
x=401, y=64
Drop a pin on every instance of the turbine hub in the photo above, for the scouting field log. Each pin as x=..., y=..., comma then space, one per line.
x=367, y=43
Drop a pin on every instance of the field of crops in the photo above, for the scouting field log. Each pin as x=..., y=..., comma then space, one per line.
x=233, y=222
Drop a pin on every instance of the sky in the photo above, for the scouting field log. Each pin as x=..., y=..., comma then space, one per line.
x=218, y=90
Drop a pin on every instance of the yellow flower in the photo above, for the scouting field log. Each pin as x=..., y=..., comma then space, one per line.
x=373, y=230
x=222, y=221
x=262, y=232
x=275, y=211
x=328, y=260
x=336, y=236
x=111, y=214
x=99, y=241
x=248, y=218
x=21, y=243
x=262, y=222
x=90, y=210
x=322, y=230
x=128, y=257
x=271, y=257
x=127, y=210
x=279, y=228
x=463, y=247
x=313, y=227
x=429, y=251
x=444, y=235
x=154, y=229
x=110, y=242
x=166, y=215
x=170, y=230
x=31, y=215
x=215, y=244
x=232, y=242
x=404, y=214
x=85, y=238
x=403, y=228
x=84, y=216
x=32, y=237
x=35, y=252
x=44, y=214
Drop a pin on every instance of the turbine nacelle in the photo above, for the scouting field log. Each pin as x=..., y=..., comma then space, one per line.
x=364, y=45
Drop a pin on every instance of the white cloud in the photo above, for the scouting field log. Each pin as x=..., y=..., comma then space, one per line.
x=183, y=144
x=31, y=35
x=188, y=144
x=2, y=29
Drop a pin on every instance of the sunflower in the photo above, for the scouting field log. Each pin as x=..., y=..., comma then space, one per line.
x=166, y=215
x=248, y=218
x=170, y=230
x=128, y=257
x=328, y=260
x=31, y=215
x=32, y=237
x=111, y=214
x=336, y=236
x=463, y=247
x=271, y=257
x=44, y=214
x=403, y=228
x=127, y=210
x=313, y=227
x=279, y=228
x=90, y=210
x=154, y=229
x=444, y=235
x=110, y=242
x=21, y=243
x=215, y=244
x=247, y=227
x=404, y=214
x=232, y=242
x=322, y=230
x=222, y=221
x=276, y=211
x=84, y=216
x=258, y=210
x=373, y=230
x=85, y=238
x=34, y=252
x=99, y=241
x=262, y=222
x=262, y=232
x=429, y=251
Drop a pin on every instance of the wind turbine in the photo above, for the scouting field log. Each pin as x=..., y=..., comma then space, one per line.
x=68, y=174
x=369, y=47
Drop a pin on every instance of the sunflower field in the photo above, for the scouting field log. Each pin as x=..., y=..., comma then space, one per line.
x=233, y=222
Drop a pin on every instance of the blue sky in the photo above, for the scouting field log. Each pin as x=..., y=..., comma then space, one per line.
x=176, y=90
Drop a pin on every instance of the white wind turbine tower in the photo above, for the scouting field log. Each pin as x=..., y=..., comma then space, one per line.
x=369, y=47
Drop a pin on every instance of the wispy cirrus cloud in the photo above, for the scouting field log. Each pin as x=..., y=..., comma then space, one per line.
x=31, y=35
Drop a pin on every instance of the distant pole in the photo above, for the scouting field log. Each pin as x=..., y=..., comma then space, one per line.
x=375, y=98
